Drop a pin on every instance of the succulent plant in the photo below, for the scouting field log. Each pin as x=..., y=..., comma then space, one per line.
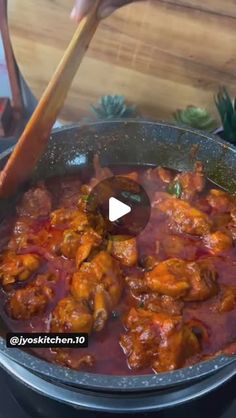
x=195, y=117
x=227, y=110
x=113, y=107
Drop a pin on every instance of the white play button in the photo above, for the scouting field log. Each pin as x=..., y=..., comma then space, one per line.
x=117, y=209
x=122, y=204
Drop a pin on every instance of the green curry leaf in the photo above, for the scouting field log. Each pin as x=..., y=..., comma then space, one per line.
x=175, y=189
x=85, y=198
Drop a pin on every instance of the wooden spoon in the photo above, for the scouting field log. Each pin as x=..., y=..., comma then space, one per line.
x=35, y=136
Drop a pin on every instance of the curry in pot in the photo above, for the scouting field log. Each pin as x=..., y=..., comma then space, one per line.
x=155, y=303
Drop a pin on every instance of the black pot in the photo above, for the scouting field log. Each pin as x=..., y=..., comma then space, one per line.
x=130, y=142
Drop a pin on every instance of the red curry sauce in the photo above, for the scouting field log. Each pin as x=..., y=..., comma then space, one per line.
x=155, y=303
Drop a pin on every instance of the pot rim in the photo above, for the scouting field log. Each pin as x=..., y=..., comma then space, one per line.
x=108, y=382
x=117, y=402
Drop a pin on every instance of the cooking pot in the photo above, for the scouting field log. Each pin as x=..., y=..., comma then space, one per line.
x=131, y=142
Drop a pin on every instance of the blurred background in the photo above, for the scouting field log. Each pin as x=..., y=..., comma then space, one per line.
x=160, y=54
x=4, y=80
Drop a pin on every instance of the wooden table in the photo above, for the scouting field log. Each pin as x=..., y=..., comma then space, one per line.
x=160, y=54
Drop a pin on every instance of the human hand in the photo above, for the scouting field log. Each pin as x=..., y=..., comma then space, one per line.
x=107, y=7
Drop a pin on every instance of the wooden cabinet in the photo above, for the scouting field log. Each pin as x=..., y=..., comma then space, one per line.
x=160, y=54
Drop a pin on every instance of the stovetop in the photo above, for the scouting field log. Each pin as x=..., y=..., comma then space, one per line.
x=219, y=404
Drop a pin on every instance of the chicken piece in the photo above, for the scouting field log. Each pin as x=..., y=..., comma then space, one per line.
x=83, y=200
x=124, y=249
x=232, y=230
x=80, y=223
x=35, y=203
x=183, y=280
x=99, y=282
x=69, y=192
x=86, y=190
x=33, y=299
x=62, y=216
x=233, y=216
x=132, y=176
x=203, y=280
x=170, y=278
x=48, y=238
x=137, y=286
x=71, y=315
x=161, y=197
x=228, y=300
x=24, y=235
x=79, y=246
x=15, y=268
x=220, y=220
x=45, y=237
x=140, y=344
x=221, y=201
x=157, y=340
x=180, y=346
x=64, y=358
x=165, y=175
x=159, y=174
x=218, y=242
x=178, y=246
x=231, y=226
x=184, y=218
x=88, y=242
x=20, y=233
x=100, y=174
x=201, y=203
x=191, y=182
x=75, y=219
x=165, y=304
x=149, y=262
x=70, y=243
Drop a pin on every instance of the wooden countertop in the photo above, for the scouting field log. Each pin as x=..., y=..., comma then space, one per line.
x=160, y=54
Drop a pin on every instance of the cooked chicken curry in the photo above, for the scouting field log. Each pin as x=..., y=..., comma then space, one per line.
x=155, y=303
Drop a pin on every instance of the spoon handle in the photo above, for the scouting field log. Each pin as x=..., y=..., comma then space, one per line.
x=35, y=136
